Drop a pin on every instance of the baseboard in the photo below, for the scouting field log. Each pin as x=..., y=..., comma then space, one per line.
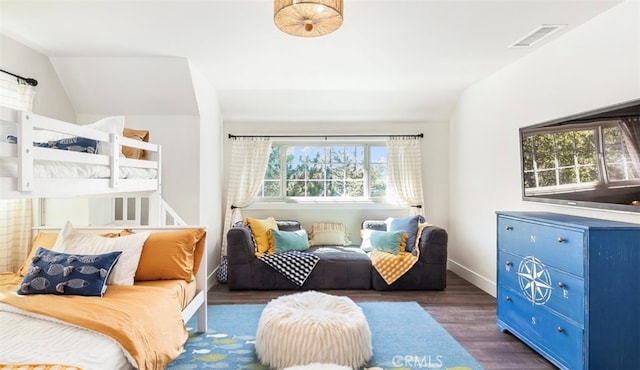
x=474, y=278
x=211, y=279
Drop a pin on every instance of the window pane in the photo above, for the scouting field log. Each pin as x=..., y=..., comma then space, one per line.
x=355, y=172
x=615, y=172
x=378, y=180
x=588, y=174
x=354, y=189
x=529, y=180
x=271, y=185
x=547, y=178
x=273, y=168
x=295, y=188
x=567, y=176
x=618, y=161
x=527, y=153
x=335, y=172
x=335, y=188
x=315, y=189
x=271, y=188
x=377, y=171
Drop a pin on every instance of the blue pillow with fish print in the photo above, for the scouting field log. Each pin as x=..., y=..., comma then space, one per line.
x=70, y=274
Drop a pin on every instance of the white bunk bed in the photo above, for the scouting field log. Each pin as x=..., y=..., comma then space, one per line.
x=29, y=171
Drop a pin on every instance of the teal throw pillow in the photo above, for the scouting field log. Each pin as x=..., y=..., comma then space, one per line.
x=386, y=241
x=408, y=224
x=284, y=241
x=68, y=274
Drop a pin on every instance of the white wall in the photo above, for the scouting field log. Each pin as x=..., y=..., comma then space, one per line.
x=51, y=99
x=210, y=167
x=593, y=66
x=180, y=150
x=434, y=163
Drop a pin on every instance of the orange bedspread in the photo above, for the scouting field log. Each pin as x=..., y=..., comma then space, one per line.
x=145, y=320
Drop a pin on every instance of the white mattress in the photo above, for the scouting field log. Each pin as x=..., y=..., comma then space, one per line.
x=27, y=338
x=54, y=169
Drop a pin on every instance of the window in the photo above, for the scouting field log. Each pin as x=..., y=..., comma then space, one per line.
x=555, y=158
x=326, y=171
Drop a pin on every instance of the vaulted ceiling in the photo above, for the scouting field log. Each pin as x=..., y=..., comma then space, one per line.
x=391, y=60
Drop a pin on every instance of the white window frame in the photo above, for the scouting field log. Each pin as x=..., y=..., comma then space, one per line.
x=282, y=198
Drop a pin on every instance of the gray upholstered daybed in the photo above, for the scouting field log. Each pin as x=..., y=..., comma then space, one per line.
x=339, y=267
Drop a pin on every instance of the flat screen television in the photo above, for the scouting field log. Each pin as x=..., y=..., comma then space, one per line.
x=587, y=160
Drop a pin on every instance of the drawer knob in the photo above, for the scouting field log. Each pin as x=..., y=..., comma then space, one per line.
x=560, y=284
x=561, y=239
x=559, y=329
x=509, y=227
x=507, y=298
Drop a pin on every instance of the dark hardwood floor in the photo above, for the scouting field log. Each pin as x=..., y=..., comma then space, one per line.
x=467, y=312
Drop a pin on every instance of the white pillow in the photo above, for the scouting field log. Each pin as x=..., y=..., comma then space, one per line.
x=329, y=233
x=328, y=238
x=366, y=240
x=72, y=241
x=114, y=124
x=43, y=136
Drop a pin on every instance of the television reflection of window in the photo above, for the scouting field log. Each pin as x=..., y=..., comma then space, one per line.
x=567, y=159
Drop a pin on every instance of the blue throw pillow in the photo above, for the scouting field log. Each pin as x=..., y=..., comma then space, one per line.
x=75, y=144
x=388, y=241
x=408, y=224
x=284, y=241
x=70, y=274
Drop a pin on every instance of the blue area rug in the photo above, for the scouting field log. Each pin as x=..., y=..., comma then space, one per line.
x=403, y=335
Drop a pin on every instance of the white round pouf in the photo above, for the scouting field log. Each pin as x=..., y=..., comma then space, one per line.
x=319, y=366
x=313, y=327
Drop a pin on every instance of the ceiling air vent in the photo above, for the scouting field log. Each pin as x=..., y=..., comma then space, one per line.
x=537, y=35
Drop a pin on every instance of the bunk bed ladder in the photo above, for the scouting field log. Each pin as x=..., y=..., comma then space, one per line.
x=158, y=211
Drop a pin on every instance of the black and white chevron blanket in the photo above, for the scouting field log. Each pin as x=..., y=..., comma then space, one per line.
x=294, y=265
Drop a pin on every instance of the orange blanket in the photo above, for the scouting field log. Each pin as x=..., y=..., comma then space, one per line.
x=391, y=266
x=145, y=320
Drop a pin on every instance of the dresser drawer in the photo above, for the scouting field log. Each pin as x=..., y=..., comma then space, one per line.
x=558, y=338
x=558, y=247
x=543, y=285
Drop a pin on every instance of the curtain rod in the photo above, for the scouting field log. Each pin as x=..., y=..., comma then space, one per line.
x=29, y=81
x=231, y=136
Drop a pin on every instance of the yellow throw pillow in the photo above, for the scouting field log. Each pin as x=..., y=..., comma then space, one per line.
x=259, y=230
x=171, y=255
x=45, y=240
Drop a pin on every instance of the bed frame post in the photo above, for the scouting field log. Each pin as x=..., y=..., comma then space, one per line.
x=201, y=282
x=114, y=160
x=155, y=209
x=25, y=151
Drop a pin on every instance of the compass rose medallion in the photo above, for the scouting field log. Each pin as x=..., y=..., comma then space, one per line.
x=534, y=280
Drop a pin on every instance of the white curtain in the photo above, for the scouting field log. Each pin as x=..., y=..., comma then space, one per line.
x=16, y=215
x=630, y=128
x=249, y=160
x=404, y=163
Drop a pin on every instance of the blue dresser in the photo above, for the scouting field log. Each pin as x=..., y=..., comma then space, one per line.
x=569, y=287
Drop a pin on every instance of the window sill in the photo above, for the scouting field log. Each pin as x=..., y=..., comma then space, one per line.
x=324, y=205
